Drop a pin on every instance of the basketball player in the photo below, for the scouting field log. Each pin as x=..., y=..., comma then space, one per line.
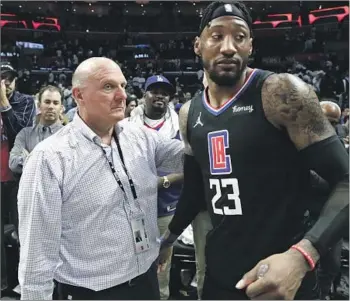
x=251, y=138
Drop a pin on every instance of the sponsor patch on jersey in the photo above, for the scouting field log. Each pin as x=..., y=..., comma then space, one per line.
x=220, y=162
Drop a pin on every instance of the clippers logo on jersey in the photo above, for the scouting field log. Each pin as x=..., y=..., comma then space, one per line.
x=220, y=163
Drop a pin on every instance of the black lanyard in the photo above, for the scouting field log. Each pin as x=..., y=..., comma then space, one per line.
x=131, y=183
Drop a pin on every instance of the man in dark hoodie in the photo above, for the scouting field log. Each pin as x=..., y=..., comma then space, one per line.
x=157, y=115
x=17, y=111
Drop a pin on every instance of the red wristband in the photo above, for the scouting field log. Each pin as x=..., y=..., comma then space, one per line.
x=306, y=255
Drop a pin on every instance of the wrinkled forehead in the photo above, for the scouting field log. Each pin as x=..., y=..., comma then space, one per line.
x=108, y=72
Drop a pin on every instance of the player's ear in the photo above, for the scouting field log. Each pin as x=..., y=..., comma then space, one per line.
x=197, y=46
x=251, y=46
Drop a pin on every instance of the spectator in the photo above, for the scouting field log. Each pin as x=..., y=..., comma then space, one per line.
x=344, y=116
x=131, y=104
x=51, y=79
x=158, y=116
x=24, y=82
x=344, y=98
x=50, y=105
x=17, y=111
x=330, y=85
x=188, y=96
x=75, y=61
x=174, y=101
x=79, y=226
x=68, y=101
x=71, y=113
x=332, y=112
x=138, y=81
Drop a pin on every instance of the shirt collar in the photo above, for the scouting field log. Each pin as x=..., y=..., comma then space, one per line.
x=52, y=128
x=83, y=128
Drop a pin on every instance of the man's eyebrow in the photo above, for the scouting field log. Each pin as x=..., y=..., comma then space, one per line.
x=243, y=26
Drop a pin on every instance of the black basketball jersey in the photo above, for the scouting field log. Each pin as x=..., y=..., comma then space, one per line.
x=255, y=185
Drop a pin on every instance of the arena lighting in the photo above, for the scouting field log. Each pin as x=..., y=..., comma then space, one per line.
x=13, y=21
x=55, y=23
x=339, y=12
x=285, y=18
x=330, y=12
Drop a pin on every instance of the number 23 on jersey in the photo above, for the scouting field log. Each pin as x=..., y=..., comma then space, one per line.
x=220, y=164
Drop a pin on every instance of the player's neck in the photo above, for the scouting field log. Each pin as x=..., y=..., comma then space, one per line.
x=218, y=95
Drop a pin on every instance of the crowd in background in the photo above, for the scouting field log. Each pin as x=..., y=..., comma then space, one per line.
x=175, y=59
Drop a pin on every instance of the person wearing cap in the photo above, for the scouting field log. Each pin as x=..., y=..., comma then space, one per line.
x=17, y=112
x=251, y=138
x=158, y=116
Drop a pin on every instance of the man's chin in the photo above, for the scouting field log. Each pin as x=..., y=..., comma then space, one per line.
x=159, y=109
x=225, y=80
x=119, y=115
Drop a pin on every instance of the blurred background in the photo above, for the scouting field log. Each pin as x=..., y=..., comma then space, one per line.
x=45, y=41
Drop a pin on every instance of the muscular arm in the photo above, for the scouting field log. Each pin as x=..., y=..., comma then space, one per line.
x=183, y=118
x=291, y=104
x=192, y=195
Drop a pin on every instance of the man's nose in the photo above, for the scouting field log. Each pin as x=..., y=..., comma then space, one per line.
x=122, y=94
x=228, y=46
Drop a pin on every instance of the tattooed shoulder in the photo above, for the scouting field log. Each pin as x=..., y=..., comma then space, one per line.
x=290, y=103
x=183, y=117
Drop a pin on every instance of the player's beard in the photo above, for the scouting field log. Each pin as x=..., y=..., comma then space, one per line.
x=225, y=80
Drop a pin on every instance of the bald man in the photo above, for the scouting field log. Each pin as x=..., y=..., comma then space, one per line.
x=331, y=110
x=333, y=113
x=87, y=216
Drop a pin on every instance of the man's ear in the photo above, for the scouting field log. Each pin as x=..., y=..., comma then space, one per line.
x=197, y=46
x=251, y=46
x=77, y=95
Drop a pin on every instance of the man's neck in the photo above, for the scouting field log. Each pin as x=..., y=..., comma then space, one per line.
x=47, y=122
x=218, y=95
x=154, y=115
x=105, y=132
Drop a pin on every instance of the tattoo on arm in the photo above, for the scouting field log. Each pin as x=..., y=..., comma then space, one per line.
x=183, y=117
x=292, y=104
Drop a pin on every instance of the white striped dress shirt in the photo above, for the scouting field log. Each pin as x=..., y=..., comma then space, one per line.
x=74, y=219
